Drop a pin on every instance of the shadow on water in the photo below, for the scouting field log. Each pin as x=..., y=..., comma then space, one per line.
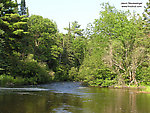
x=71, y=97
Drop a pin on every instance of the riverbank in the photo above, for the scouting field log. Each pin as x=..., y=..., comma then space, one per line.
x=8, y=81
x=142, y=89
x=146, y=90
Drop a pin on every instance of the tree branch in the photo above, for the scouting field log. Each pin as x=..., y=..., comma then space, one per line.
x=116, y=63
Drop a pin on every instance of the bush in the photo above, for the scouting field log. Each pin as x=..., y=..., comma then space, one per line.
x=19, y=81
x=143, y=75
x=61, y=73
x=31, y=71
x=6, y=80
x=98, y=76
x=73, y=73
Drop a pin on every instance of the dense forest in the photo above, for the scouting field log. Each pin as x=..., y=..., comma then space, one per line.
x=113, y=50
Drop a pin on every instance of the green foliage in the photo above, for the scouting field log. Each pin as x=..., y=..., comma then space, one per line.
x=7, y=7
x=146, y=16
x=23, y=8
x=31, y=70
x=124, y=53
x=74, y=29
x=78, y=48
x=6, y=80
x=143, y=74
x=43, y=34
x=61, y=73
x=18, y=32
x=12, y=34
x=38, y=25
x=147, y=89
x=114, y=49
x=118, y=47
x=73, y=72
x=16, y=44
x=93, y=72
x=71, y=52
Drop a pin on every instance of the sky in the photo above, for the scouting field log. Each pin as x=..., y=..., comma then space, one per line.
x=83, y=11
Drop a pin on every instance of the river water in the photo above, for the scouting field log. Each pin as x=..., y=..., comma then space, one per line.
x=71, y=97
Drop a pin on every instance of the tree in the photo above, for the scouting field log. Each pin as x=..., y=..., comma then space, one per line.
x=15, y=66
x=43, y=33
x=7, y=7
x=92, y=71
x=143, y=73
x=89, y=31
x=75, y=44
x=23, y=7
x=126, y=50
x=123, y=49
x=146, y=16
x=74, y=29
x=72, y=52
x=13, y=28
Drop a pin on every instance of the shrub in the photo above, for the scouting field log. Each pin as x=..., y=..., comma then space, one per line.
x=73, y=73
x=31, y=71
x=61, y=73
x=6, y=80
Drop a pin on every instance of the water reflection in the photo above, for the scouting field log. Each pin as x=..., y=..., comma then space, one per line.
x=59, y=98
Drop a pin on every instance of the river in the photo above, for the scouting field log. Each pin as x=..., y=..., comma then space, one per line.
x=71, y=97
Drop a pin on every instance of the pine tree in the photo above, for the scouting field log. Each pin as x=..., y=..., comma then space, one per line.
x=74, y=29
x=146, y=16
x=7, y=7
x=23, y=7
x=13, y=29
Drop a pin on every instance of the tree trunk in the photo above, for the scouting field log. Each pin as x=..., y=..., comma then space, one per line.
x=134, y=81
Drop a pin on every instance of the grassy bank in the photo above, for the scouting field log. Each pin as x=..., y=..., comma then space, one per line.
x=142, y=89
x=9, y=81
x=146, y=89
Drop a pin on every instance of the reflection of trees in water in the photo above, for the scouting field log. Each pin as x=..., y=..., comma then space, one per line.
x=125, y=102
x=120, y=102
x=94, y=100
x=111, y=101
x=143, y=103
x=38, y=102
x=132, y=102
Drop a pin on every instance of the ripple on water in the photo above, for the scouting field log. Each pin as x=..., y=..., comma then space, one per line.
x=23, y=89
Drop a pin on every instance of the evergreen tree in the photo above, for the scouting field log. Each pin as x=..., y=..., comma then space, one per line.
x=146, y=16
x=23, y=7
x=74, y=29
x=7, y=7
x=13, y=28
x=14, y=40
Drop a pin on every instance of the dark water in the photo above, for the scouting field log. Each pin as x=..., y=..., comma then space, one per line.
x=69, y=97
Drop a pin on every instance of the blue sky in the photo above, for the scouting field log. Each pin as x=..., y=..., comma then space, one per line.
x=65, y=11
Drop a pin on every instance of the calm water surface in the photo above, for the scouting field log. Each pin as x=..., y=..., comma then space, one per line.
x=71, y=97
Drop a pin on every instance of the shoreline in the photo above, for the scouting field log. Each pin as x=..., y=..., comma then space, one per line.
x=143, y=89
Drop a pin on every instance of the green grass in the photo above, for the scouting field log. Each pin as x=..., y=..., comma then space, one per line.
x=147, y=89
